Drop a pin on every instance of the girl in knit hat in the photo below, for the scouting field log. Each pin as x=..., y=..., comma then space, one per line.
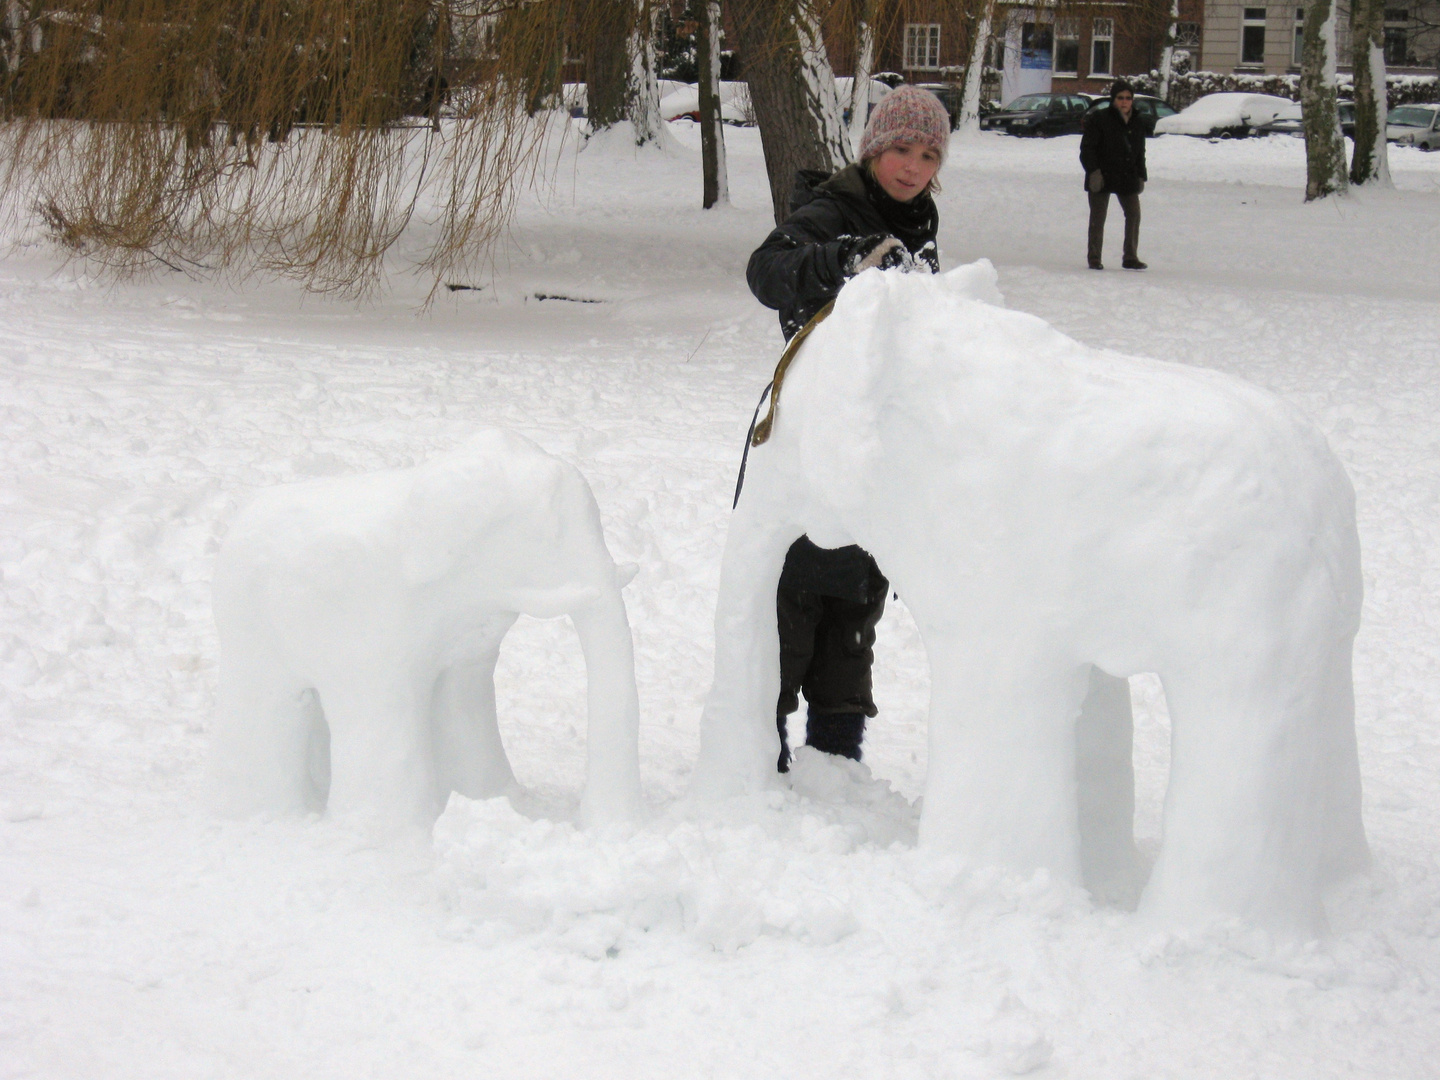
x=878, y=213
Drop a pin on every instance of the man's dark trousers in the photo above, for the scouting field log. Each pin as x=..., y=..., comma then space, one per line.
x=1099, y=206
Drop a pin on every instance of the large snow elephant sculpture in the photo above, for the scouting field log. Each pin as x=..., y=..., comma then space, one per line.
x=378, y=602
x=1047, y=510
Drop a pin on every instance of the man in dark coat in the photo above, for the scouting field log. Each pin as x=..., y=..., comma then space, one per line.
x=1112, y=152
x=878, y=213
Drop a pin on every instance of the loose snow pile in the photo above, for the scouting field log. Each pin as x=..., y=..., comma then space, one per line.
x=791, y=863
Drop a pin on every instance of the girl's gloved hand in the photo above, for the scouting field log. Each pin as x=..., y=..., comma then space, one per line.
x=860, y=253
x=1095, y=181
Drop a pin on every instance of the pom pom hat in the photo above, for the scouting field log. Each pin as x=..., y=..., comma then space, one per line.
x=907, y=114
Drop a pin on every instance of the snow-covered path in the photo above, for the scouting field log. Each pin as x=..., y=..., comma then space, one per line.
x=794, y=935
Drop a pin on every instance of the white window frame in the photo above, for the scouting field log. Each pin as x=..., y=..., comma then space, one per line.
x=1065, y=30
x=922, y=46
x=1103, y=30
x=1245, y=23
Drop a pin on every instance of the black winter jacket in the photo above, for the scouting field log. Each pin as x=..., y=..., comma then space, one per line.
x=1116, y=148
x=797, y=269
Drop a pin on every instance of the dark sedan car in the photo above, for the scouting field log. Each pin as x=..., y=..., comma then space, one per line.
x=1039, y=114
x=1147, y=107
x=949, y=96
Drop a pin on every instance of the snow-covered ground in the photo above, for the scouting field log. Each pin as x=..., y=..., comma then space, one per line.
x=794, y=934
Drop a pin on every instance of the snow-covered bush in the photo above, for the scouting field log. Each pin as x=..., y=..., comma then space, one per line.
x=1189, y=87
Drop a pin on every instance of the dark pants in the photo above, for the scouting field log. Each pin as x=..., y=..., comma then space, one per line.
x=1099, y=205
x=826, y=649
x=826, y=606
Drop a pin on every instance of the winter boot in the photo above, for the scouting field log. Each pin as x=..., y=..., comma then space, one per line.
x=1135, y=264
x=837, y=733
x=783, y=765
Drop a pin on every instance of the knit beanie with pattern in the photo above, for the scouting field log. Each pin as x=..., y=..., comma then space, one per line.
x=907, y=114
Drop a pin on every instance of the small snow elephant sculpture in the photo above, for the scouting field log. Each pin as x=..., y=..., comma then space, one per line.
x=1047, y=510
x=380, y=602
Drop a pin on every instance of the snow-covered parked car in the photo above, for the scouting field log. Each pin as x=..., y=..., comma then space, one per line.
x=1291, y=121
x=1224, y=116
x=1414, y=125
x=844, y=87
x=684, y=102
x=735, y=108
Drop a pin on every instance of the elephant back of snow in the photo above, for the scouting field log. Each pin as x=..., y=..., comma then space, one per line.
x=1001, y=427
x=456, y=503
x=890, y=347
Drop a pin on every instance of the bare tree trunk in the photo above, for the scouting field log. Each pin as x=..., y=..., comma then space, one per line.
x=1325, y=171
x=975, y=71
x=712, y=131
x=1167, y=55
x=607, y=63
x=792, y=90
x=864, y=64
x=644, y=84
x=1370, y=163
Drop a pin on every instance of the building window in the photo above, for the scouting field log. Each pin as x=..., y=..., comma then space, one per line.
x=1067, y=47
x=922, y=46
x=1187, y=35
x=1102, y=46
x=1037, y=46
x=1397, y=51
x=1298, y=55
x=1252, y=37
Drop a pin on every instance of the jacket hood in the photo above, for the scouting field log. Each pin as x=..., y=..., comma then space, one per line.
x=848, y=182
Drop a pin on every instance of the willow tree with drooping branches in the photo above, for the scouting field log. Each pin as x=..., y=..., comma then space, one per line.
x=292, y=137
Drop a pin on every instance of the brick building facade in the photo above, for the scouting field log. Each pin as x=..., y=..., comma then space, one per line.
x=1082, y=49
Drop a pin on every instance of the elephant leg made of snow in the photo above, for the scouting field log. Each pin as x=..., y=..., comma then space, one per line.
x=1089, y=789
x=365, y=615
x=1047, y=511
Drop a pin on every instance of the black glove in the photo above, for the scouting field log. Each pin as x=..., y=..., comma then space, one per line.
x=858, y=253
